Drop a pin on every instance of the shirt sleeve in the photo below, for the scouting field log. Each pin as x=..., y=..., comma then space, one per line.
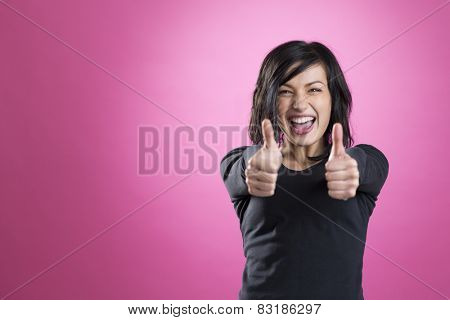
x=232, y=170
x=373, y=168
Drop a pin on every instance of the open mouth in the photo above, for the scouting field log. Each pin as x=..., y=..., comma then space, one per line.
x=302, y=125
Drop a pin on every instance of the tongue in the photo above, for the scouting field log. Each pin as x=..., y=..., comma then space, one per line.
x=302, y=128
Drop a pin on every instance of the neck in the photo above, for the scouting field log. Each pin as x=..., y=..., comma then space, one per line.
x=296, y=157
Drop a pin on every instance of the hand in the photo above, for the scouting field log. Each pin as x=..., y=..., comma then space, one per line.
x=342, y=172
x=262, y=170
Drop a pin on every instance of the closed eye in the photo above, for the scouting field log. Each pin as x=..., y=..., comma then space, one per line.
x=284, y=92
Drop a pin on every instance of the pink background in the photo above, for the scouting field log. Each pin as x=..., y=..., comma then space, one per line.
x=69, y=140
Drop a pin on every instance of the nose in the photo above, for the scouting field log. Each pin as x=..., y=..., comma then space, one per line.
x=300, y=103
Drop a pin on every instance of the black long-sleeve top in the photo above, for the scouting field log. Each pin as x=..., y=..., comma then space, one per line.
x=300, y=243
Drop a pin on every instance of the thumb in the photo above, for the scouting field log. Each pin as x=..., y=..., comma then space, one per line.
x=337, y=148
x=268, y=135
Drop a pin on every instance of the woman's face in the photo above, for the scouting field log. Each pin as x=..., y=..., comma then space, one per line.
x=304, y=106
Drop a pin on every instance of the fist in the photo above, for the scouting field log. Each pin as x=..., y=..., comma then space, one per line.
x=341, y=170
x=262, y=168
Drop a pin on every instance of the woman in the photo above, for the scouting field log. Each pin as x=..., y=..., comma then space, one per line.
x=303, y=203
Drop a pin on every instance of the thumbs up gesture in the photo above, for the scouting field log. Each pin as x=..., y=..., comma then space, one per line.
x=262, y=170
x=342, y=172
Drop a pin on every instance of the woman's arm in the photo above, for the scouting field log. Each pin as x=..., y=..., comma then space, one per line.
x=373, y=168
x=232, y=170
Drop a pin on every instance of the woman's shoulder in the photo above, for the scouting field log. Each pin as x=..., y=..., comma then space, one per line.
x=236, y=159
x=372, y=151
x=367, y=146
x=243, y=151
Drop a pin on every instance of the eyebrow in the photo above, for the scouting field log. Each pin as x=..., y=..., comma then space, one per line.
x=308, y=84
